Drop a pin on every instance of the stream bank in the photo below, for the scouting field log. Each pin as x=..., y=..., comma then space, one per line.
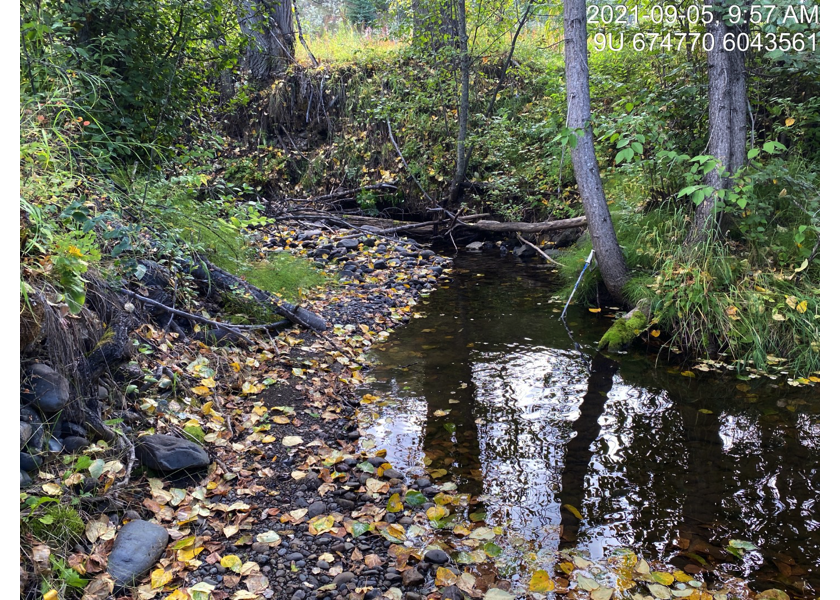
x=299, y=501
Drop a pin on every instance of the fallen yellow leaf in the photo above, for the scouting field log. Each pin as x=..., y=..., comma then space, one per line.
x=160, y=577
x=540, y=582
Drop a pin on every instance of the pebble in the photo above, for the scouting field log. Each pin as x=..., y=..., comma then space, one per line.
x=345, y=577
x=412, y=577
x=317, y=508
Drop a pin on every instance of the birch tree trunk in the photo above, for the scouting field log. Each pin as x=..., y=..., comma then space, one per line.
x=464, y=108
x=727, y=121
x=604, y=241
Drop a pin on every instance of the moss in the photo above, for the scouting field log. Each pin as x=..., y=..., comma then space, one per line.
x=624, y=331
x=59, y=525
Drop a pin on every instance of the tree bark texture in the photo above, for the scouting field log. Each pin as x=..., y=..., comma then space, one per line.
x=727, y=121
x=271, y=38
x=604, y=241
x=464, y=107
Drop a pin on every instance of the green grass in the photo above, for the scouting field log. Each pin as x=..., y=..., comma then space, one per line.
x=347, y=45
x=712, y=300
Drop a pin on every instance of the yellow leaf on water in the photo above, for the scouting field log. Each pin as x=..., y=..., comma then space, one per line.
x=540, y=582
x=436, y=513
x=445, y=577
x=789, y=121
x=574, y=511
x=160, y=577
x=688, y=374
x=662, y=577
x=594, y=310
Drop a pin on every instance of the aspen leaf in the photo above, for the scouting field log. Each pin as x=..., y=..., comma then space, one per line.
x=51, y=595
x=594, y=310
x=654, y=333
x=232, y=562
x=394, y=504
x=540, y=582
x=160, y=577
x=444, y=577
x=436, y=513
x=292, y=440
x=802, y=306
x=789, y=121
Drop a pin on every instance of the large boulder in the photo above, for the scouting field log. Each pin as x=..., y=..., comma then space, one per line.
x=44, y=387
x=137, y=548
x=168, y=453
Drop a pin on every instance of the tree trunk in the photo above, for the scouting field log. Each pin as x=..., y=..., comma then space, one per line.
x=464, y=108
x=727, y=122
x=604, y=241
x=271, y=38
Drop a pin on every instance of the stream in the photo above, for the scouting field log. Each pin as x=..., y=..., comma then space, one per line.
x=487, y=389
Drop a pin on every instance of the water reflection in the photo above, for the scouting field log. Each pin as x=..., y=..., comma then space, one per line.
x=490, y=389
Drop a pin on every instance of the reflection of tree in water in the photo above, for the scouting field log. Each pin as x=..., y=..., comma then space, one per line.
x=674, y=473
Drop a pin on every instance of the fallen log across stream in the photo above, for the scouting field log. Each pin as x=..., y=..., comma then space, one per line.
x=518, y=227
x=215, y=278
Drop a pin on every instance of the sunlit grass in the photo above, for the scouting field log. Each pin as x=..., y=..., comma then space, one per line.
x=348, y=45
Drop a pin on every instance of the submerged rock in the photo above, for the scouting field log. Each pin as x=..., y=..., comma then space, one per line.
x=168, y=453
x=136, y=550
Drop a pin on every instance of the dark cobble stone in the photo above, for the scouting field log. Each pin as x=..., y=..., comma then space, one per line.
x=393, y=474
x=423, y=482
x=345, y=577
x=390, y=518
x=322, y=564
x=392, y=577
x=44, y=387
x=350, y=461
x=299, y=595
x=29, y=463
x=73, y=443
x=294, y=557
x=377, y=461
x=435, y=556
x=451, y=592
x=412, y=577
x=168, y=453
x=317, y=508
x=346, y=504
x=412, y=596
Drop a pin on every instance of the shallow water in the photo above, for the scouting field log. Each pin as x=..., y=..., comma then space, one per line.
x=490, y=386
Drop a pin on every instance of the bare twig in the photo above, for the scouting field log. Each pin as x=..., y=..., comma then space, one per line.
x=537, y=248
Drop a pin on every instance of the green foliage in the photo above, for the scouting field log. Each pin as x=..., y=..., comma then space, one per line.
x=57, y=524
x=136, y=67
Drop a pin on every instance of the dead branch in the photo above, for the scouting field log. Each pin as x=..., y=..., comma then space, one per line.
x=537, y=248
